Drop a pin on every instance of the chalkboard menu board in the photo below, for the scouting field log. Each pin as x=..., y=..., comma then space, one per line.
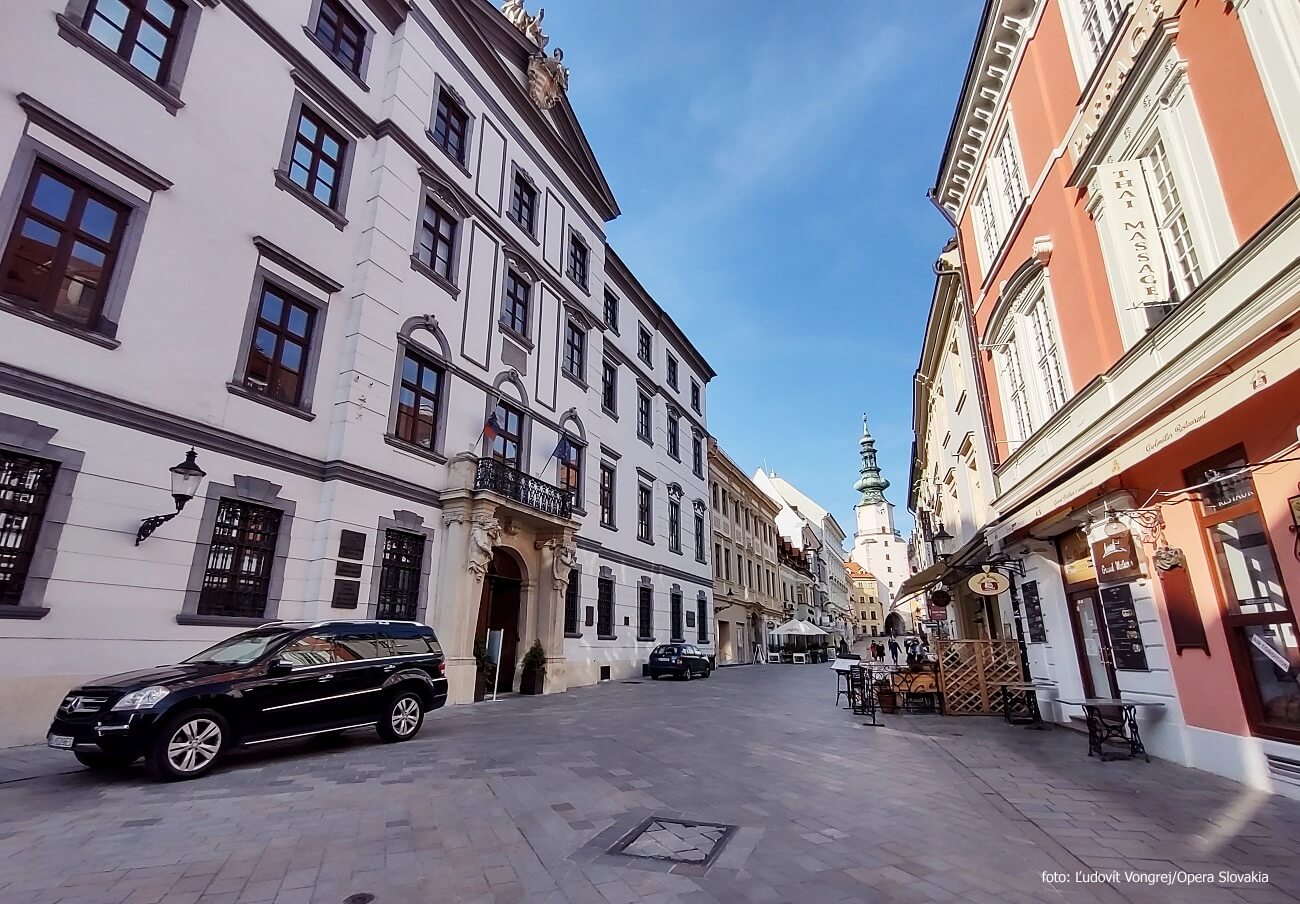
x=1122, y=625
x=1033, y=612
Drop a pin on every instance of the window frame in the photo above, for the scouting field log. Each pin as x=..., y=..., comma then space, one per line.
x=573, y=604
x=702, y=635
x=697, y=396
x=577, y=465
x=645, y=502
x=645, y=346
x=520, y=439
x=443, y=89
x=574, y=362
x=434, y=198
x=674, y=524
x=510, y=305
x=263, y=277
x=577, y=266
x=677, y=615
x=701, y=534
x=609, y=387
x=645, y=611
x=520, y=178
x=645, y=424
x=1026, y=402
x=697, y=453
x=670, y=363
x=611, y=303
x=425, y=360
x=608, y=495
x=335, y=211
x=358, y=74
x=674, y=438
x=407, y=523
x=606, y=604
x=31, y=154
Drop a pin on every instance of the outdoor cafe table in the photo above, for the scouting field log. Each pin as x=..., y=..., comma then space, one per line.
x=1103, y=726
x=1028, y=690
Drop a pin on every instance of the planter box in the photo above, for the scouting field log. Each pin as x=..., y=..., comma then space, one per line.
x=532, y=681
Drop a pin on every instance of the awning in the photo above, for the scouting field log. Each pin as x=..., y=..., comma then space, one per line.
x=922, y=579
x=795, y=628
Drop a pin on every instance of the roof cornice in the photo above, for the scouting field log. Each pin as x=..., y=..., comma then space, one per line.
x=658, y=317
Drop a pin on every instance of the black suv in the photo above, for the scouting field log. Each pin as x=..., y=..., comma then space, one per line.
x=681, y=659
x=280, y=681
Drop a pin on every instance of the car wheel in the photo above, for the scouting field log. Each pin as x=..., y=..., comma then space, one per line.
x=189, y=745
x=707, y=671
x=94, y=759
x=402, y=717
x=686, y=673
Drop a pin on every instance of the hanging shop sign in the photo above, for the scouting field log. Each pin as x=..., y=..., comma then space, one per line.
x=1116, y=558
x=1076, y=560
x=935, y=612
x=989, y=583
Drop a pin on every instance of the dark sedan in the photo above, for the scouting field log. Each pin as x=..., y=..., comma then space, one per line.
x=683, y=660
x=273, y=683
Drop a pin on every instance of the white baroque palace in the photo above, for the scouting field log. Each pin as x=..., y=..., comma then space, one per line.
x=353, y=253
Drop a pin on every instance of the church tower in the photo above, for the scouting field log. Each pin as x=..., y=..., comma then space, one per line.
x=877, y=546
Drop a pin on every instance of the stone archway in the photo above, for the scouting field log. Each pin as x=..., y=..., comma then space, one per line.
x=894, y=625
x=503, y=606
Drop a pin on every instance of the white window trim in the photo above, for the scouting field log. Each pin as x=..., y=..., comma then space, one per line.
x=1167, y=111
x=1014, y=332
x=996, y=193
x=1273, y=34
x=1085, y=61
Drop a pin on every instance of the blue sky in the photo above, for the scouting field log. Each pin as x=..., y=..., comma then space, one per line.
x=771, y=160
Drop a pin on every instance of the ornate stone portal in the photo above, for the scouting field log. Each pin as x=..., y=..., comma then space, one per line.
x=548, y=77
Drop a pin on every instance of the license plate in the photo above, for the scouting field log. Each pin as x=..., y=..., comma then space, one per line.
x=62, y=742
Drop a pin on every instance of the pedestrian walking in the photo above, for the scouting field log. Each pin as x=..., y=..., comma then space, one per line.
x=893, y=650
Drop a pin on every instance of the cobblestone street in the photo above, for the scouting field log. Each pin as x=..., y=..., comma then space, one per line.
x=783, y=796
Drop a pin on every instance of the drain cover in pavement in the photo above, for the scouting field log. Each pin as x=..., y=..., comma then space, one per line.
x=680, y=841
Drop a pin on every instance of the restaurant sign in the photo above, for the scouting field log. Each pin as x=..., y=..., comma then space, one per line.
x=1116, y=558
x=989, y=583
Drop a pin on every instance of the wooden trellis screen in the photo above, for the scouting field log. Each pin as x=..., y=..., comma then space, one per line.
x=971, y=671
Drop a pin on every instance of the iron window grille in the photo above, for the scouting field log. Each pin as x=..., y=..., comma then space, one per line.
x=450, y=126
x=679, y=633
x=144, y=33
x=643, y=345
x=645, y=613
x=418, y=400
x=702, y=621
x=571, y=596
x=644, y=500
x=609, y=387
x=25, y=485
x=438, y=240
x=523, y=204
x=578, y=260
x=607, y=495
x=400, y=575
x=643, y=416
x=514, y=310
x=575, y=351
x=64, y=243
x=317, y=159
x=237, y=579
x=281, y=343
x=605, y=607
x=342, y=36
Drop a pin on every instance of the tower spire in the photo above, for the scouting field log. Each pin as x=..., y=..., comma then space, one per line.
x=870, y=483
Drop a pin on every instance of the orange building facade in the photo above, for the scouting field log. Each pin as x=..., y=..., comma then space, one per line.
x=1122, y=178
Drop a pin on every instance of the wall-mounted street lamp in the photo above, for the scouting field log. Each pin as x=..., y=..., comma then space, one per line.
x=939, y=544
x=186, y=478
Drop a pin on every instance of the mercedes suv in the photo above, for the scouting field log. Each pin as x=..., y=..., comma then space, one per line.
x=281, y=681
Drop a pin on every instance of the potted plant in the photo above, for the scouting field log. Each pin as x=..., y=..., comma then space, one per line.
x=482, y=670
x=886, y=696
x=533, y=677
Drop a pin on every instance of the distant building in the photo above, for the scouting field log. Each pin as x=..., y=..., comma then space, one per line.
x=864, y=597
x=877, y=545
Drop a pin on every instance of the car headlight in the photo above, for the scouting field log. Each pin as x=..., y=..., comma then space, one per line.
x=142, y=699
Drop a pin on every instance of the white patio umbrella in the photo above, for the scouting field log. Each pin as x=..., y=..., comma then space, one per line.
x=798, y=628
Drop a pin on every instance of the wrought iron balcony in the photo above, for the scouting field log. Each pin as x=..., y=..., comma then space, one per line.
x=500, y=478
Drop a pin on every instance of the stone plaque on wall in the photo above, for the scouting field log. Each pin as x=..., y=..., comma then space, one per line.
x=352, y=544
x=346, y=594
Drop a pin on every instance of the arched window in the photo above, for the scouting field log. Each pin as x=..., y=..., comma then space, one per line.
x=1032, y=377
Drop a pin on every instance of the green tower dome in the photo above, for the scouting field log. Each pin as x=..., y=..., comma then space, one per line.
x=870, y=484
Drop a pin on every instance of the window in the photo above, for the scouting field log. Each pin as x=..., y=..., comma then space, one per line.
x=1012, y=176
x=316, y=161
x=1258, y=613
x=672, y=371
x=514, y=310
x=699, y=537
x=675, y=605
x=695, y=396
x=1030, y=396
x=280, y=347
x=697, y=455
x=569, y=455
x=237, y=578
x=418, y=401
x=675, y=525
x=1177, y=236
x=575, y=351
x=606, y=494
x=63, y=247
x=1000, y=197
x=986, y=226
x=643, y=346
x=609, y=386
x=702, y=620
x=341, y=35
x=25, y=485
x=643, y=416
x=451, y=126
x=605, y=608
x=577, y=260
x=1099, y=20
x=523, y=204
x=571, y=597
x=645, y=613
x=726, y=564
x=674, y=441
x=644, y=502
x=508, y=441
x=438, y=240
x=1047, y=357
x=611, y=311
x=400, y=573
x=144, y=33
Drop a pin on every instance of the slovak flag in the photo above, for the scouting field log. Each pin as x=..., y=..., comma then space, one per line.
x=491, y=427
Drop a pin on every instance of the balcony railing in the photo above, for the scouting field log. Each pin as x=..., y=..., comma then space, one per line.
x=525, y=489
